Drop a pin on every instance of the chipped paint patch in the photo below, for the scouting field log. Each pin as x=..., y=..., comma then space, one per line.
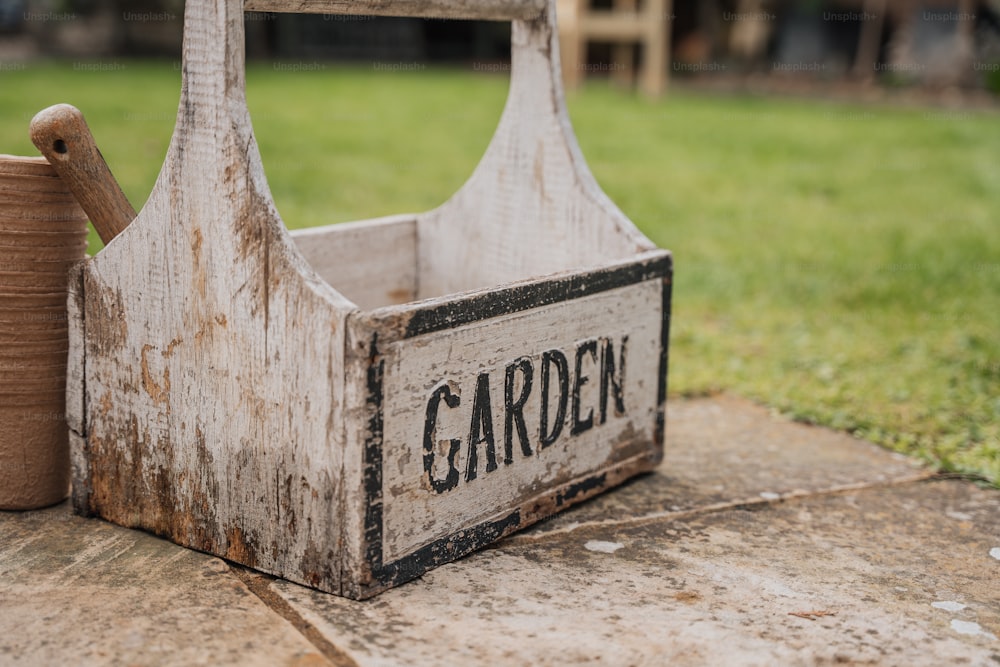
x=947, y=605
x=995, y=552
x=970, y=628
x=959, y=516
x=603, y=547
x=770, y=495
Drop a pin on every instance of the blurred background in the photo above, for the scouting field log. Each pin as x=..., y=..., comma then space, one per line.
x=731, y=43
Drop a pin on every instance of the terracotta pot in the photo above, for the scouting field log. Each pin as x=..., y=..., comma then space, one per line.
x=43, y=220
x=31, y=380
x=34, y=457
x=74, y=250
x=33, y=239
x=39, y=365
x=33, y=312
x=34, y=273
x=33, y=385
x=51, y=280
x=24, y=290
x=41, y=339
x=25, y=183
x=30, y=330
x=32, y=300
x=39, y=194
x=43, y=232
x=18, y=165
x=10, y=334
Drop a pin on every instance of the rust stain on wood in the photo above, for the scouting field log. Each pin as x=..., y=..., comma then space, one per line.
x=238, y=548
x=159, y=394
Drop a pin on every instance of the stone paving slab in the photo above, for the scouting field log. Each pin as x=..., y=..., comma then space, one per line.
x=726, y=449
x=891, y=575
x=79, y=591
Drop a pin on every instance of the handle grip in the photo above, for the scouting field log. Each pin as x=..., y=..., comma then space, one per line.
x=62, y=135
x=486, y=10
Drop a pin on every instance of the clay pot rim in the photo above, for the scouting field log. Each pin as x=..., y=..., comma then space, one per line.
x=25, y=164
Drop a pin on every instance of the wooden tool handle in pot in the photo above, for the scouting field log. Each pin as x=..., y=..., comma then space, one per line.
x=62, y=135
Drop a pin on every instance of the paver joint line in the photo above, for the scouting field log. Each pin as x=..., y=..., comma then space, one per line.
x=927, y=476
x=260, y=585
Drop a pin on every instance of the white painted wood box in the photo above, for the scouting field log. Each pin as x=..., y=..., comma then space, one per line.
x=347, y=407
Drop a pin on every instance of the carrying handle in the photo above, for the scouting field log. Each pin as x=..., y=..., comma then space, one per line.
x=485, y=10
x=532, y=183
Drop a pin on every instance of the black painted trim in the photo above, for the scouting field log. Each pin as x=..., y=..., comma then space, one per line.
x=504, y=301
x=445, y=550
x=373, y=458
x=661, y=396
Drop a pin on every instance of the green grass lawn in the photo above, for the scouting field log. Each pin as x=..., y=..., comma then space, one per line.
x=839, y=263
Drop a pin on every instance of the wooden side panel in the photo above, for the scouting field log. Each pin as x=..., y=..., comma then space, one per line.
x=373, y=263
x=75, y=388
x=214, y=354
x=76, y=395
x=481, y=418
x=482, y=413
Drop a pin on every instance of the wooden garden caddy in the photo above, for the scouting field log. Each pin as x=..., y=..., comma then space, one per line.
x=349, y=406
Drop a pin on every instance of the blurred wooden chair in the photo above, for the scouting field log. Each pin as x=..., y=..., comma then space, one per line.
x=626, y=24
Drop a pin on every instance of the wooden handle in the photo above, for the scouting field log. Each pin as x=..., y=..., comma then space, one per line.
x=62, y=135
x=486, y=10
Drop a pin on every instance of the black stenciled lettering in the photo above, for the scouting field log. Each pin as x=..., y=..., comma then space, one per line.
x=481, y=429
x=581, y=425
x=430, y=426
x=549, y=359
x=608, y=379
x=514, y=409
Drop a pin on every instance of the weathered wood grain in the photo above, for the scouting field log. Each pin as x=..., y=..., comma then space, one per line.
x=264, y=396
x=214, y=395
x=373, y=263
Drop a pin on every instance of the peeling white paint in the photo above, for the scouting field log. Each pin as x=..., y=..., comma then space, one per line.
x=948, y=605
x=995, y=552
x=970, y=628
x=770, y=495
x=603, y=547
x=959, y=516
